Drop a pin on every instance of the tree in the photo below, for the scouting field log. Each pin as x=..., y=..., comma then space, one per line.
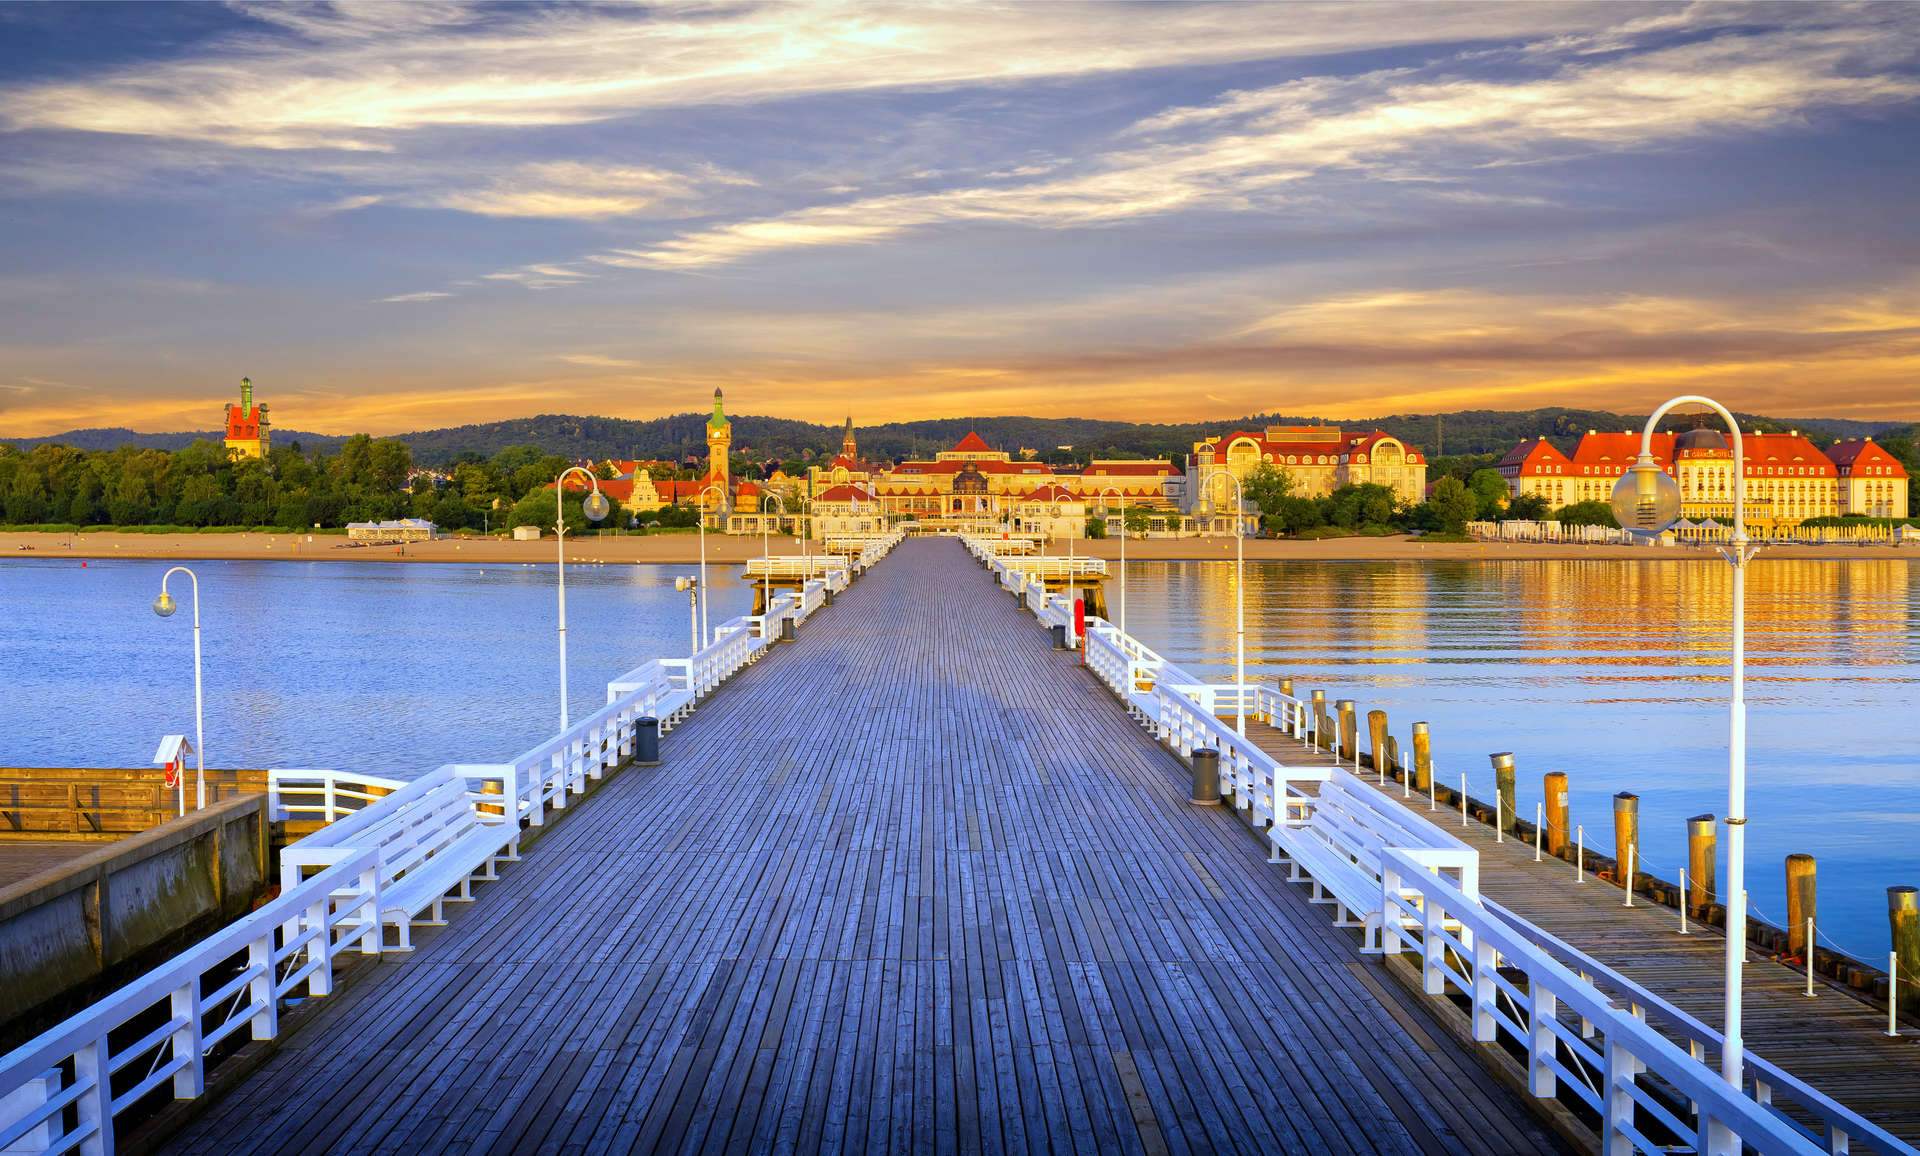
x=1528, y=508
x=1267, y=485
x=1490, y=491
x=1453, y=504
x=1096, y=527
x=1138, y=520
x=1586, y=514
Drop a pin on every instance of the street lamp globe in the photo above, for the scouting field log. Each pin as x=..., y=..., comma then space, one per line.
x=1645, y=500
x=1101, y=511
x=596, y=506
x=164, y=605
x=1204, y=508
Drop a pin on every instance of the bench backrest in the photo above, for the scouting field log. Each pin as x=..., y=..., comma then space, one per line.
x=1353, y=817
x=415, y=834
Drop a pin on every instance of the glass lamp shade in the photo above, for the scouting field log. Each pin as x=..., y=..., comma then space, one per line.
x=1204, y=508
x=164, y=605
x=596, y=505
x=1100, y=511
x=1645, y=499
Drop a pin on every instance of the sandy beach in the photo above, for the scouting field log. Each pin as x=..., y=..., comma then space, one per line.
x=684, y=548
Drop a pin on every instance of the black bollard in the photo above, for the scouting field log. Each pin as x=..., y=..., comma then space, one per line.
x=1206, y=777
x=1059, y=636
x=646, y=742
x=786, y=629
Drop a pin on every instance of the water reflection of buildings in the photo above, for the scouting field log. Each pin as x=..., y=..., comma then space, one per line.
x=1658, y=609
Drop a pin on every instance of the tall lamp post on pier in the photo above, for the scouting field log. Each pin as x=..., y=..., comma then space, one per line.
x=164, y=606
x=1646, y=501
x=700, y=592
x=1100, y=512
x=1241, y=508
x=766, y=551
x=595, y=507
x=1060, y=511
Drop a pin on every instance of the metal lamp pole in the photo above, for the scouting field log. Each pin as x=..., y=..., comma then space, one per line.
x=595, y=508
x=1646, y=501
x=701, y=591
x=766, y=575
x=164, y=606
x=1239, y=588
x=1101, y=513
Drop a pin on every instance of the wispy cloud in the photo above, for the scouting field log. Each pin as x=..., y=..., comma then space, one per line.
x=426, y=295
x=1248, y=149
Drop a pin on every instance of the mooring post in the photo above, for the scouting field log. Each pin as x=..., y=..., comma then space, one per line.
x=1626, y=837
x=1554, y=785
x=1801, y=908
x=1903, y=919
x=1503, y=789
x=1377, y=735
x=1422, y=758
x=1349, y=726
x=1293, y=716
x=1322, y=733
x=1399, y=769
x=1702, y=862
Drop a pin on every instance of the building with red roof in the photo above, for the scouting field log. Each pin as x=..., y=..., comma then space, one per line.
x=973, y=482
x=247, y=426
x=1320, y=459
x=1785, y=478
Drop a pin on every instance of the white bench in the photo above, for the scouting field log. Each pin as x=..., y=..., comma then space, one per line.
x=431, y=847
x=1338, y=844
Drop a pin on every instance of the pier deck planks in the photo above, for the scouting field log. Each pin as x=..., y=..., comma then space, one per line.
x=1834, y=1042
x=913, y=883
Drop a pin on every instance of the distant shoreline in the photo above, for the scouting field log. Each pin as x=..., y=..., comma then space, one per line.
x=682, y=549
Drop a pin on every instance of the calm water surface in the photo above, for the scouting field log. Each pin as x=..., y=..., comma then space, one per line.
x=383, y=668
x=1615, y=673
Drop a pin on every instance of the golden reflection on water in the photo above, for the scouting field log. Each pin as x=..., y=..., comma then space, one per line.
x=1617, y=673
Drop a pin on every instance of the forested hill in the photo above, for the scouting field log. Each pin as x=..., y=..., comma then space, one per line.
x=675, y=437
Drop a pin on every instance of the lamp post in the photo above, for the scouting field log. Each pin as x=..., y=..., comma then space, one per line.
x=766, y=575
x=1059, y=511
x=1205, y=510
x=1101, y=513
x=692, y=587
x=701, y=592
x=1646, y=501
x=164, y=606
x=595, y=507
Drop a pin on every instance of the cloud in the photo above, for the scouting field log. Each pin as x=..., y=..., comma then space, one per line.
x=596, y=361
x=427, y=295
x=349, y=76
x=580, y=190
x=1258, y=149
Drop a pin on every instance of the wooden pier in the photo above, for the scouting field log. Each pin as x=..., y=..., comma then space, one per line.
x=1834, y=1042
x=915, y=883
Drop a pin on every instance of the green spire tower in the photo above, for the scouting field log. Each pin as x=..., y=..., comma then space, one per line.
x=719, y=442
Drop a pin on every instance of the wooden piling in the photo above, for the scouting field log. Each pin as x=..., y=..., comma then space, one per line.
x=1558, y=832
x=1503, y=787
x=1422, y=758
x=1903, y=919
x=1286, y=688
x=1801, y=895
x=1626, y=833
x=1702, y=862
x=1322, y=732
x=1377, y=738
x=1394, y=766
x=1349, y=728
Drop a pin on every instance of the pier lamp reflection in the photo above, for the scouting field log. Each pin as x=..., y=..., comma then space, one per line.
x=164, y=606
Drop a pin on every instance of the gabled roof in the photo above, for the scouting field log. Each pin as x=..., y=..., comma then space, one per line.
x=973, y=443
x=845, y=493
x=1848, y=454
x=1050, y=493
x=1530, y=455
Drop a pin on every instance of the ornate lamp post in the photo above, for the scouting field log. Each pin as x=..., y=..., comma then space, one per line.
x=164, y=606
x=1060, y=511
x=701, y=590
x=1100, y=512
x=595, y=507
x=1646, y=501
x=1241, y=509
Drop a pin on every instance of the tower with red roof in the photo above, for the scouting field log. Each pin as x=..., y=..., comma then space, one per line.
x=247, y=432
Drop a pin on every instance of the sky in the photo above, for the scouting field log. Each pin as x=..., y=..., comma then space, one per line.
x=404, y=216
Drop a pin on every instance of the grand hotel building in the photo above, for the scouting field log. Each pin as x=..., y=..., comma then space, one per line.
x=1786, y=479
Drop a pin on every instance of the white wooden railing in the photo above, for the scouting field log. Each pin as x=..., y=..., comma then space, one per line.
x=1652, y=1092
x=1575, y=1037
x=57, y=1091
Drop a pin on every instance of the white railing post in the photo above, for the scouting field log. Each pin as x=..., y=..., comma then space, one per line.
x=1486, y=991
x=1544, y=1043
x=190, y=1080
x=266, y=1014
x=91, y=1066
x=1616, y=1116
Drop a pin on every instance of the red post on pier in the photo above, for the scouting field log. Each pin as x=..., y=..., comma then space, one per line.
x=1080, y=626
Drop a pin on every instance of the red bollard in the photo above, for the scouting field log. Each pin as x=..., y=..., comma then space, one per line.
x=1080, y=626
